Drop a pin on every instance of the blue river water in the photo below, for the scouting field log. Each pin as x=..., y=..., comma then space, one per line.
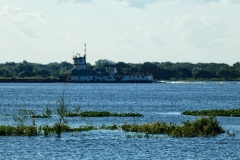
x=156, y=101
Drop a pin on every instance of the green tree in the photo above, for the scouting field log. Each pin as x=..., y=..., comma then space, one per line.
x=24, y=74
x=183, y=73
x=236, y=67
x=202, y=74
x=149, y=67
x=134, y=69
x=120, y=66
x=227, y=73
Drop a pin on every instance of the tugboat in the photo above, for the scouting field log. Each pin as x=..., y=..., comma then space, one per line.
x=82, y=74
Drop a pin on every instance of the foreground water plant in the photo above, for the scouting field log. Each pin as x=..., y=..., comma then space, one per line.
x=102, y=114
x=204, y=126
x=21, y=116
x=47, y=113
x=140, y=136
x=214, y=112
x=62, y=108
x=18, y=131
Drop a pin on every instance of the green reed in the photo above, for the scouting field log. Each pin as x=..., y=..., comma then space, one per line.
x=102, y=114
x=214, y=112
x=204, y=126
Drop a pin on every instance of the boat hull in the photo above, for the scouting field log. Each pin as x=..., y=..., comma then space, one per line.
x=65, y=81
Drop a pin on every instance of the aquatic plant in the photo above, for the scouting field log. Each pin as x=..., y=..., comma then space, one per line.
x=57, y=129
x=18, y=131
x=22, y=115
x=31, y=131
x=6, y=130
x=39, y=116
x=214, y=112
x=82, y=128
x=62, y=108
x=47, y=113
x=204, y=126
x=46, y=130
x=77, y=109
x=95, y=114
x=102, y=114
x=112, y=127
x=139, y=136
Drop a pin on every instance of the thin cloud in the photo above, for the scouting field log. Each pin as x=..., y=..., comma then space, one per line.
x=148, y=36
x=126, y=40
x=74, y=1
x=82, y=1
x=138, y=3
x=201, y=32
x=19, y=13
x=63, y=1
x=143, y=3
x=21, y=20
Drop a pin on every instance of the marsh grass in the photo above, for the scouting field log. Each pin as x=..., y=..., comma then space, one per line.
x=22, y=116
x=31, y=130
x=137, y=135
x=18, y=131
x=62, y=108
x=47, y=113
x=215, y=112
x=204, y=126
x=82, y=128
x=112, y=127
x=102, y=114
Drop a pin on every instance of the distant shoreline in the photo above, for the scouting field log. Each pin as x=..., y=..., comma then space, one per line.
x=48, y=80
x=61, y=81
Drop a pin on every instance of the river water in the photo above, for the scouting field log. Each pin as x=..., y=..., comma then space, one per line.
x=156, y=101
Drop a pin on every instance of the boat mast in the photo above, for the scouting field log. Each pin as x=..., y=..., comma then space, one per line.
x=85, y=49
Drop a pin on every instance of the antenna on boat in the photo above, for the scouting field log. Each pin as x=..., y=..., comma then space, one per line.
x=73, y=54
x=85, y=49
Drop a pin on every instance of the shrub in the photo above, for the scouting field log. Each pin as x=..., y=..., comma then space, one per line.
x=204, y=126
x=214, y=112
x=31, y=131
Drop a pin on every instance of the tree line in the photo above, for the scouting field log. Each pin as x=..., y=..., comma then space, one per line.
x=160, y=70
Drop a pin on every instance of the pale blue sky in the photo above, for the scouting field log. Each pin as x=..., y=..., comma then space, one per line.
x=133, y=31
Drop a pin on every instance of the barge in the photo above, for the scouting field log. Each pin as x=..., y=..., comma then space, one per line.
x=109, y=74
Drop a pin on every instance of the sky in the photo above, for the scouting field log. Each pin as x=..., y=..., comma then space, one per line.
x=132, y=31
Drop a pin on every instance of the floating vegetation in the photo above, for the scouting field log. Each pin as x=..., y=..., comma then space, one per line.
x=47, y=113
x=102, y=114
x=62, y=107
x=215, y=112
x=18, y=131
x=139, y=136
x=204, y=126
x=112, y=127
x=46, y=130
x=40, y=116
x=22, y=114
